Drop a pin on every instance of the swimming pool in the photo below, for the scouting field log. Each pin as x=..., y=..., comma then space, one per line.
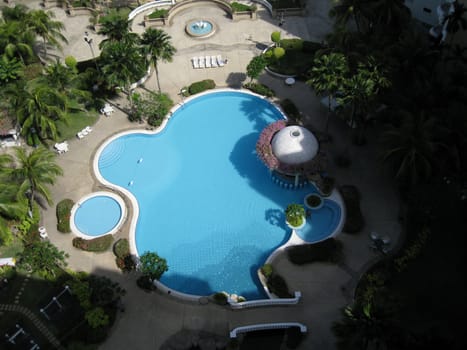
x=206, y=202
x=97, y=214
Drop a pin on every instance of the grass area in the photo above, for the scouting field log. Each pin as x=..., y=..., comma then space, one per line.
x=160, y=13
x=77, y=122
x=11, y=250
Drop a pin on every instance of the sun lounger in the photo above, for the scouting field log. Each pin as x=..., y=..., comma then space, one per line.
x=88, y=129
x=220, y=61
x=80, y=135
x=214, y=62
x=195, y=61
x=201, y=62
x=208, y=61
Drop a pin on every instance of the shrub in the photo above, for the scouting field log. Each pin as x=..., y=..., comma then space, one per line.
x=292, y=44
x=237, y=7
x=277, y=285
x=201, y=86
x=145, y=283
x=99, y=244
x=260, y=89
x=329, y=250
x=126, y=264
x=7, y=272
x=63, y=215
x=294, y=214
x=311, y=47
x=220, y=298
x=266, y=270
x=354, y=221
x=159, y=13
x=291, y=110
x=121, y=248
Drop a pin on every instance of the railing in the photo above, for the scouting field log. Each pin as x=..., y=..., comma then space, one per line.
x=265, y=302
x=263, y=326
x=148, y=6
x=265, y=4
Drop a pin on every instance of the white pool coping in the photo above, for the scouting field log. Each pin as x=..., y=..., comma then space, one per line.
x=76, y=206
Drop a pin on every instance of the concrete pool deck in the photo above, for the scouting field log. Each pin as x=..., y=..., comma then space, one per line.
x=150, y=319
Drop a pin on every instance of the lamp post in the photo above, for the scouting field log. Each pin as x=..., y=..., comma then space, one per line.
x=89, y=42
x=182, y=95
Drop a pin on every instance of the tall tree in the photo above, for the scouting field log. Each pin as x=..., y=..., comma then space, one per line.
x=411, y=149
x=10, y=206
x=157, y=47
x=456, y=20
x=255, y=67
x=116, y=27
x=35, y=171
x=327, y=77
x=17, y=13
x=39, y=107
x=15, y=41
x=41, y=23
x=345, y=11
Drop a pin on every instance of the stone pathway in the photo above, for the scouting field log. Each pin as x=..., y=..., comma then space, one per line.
x=35, y=321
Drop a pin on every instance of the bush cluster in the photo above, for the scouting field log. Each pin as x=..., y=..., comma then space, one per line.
x=159, y=13
x=63, y=215
x=354, y=221
x=99, y=244
x=291, y=110
x=328, y=250
x=124, y=260
x=201, y=86
x=277, y=285
x=220, y=298
x=260, y=89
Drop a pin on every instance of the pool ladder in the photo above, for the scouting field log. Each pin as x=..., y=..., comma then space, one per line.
x=287, y=184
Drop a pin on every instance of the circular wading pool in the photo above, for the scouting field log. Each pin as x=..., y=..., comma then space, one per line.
x=200, y=28
x=97, y=214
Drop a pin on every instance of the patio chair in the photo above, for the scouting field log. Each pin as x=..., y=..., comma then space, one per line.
x=88, y=129
x=208, y=61
x=220, y=61
x=201, y=62
x=80, y=135
x=214, y=62
x=195, y=61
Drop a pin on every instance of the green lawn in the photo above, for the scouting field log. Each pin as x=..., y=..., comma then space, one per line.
x=77, y=122
x=11, y=250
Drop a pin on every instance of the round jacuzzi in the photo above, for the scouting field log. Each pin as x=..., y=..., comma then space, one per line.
x=200, y=28
x=97, y=214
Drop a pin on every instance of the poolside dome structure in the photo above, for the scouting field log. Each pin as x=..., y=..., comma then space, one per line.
x=290, y=150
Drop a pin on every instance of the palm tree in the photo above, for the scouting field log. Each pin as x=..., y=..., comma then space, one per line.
x=327, y=76
x=122, y=64
x=39, y=107
x=15, y=41
x=116, y=27
x=412, y=148
x=393, y=14
x=455, y=20
x=35, y=171
x=18, y=13
x=346, y=10
x=10, y=206
x=10, y=69
x=156, y=45
x=41, y=23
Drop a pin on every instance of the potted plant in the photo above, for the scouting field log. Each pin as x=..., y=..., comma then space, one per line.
x=313, y=201
x=295, y=216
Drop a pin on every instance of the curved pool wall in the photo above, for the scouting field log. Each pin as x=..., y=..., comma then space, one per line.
x=113, y=226
x=134, y=202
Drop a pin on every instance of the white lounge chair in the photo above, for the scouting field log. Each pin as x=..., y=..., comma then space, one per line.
x=220, y=61
x=214, y=62
x=88, y=129
x=195, y=61
x=80, y=135
x=201, y=62
x=208, y=61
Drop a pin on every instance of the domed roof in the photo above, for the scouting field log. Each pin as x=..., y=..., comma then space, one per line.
x=294, y=145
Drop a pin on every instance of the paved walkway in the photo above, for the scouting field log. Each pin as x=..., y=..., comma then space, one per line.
x=150, y=319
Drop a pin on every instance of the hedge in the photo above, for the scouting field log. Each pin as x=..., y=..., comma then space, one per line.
x=237, y=7
x=121, y=248
x=277, y=285
x=329, y=250
x=99, y=244
x=354, y=221
x=201, y=86
x=161, y=13
x=260, y=89
x=63, y=211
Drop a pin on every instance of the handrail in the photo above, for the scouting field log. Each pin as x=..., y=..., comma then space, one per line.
x=266, y=4
x=265, y=302
x=263, y=326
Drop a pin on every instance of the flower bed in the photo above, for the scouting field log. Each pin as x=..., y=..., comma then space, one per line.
x=263, y=146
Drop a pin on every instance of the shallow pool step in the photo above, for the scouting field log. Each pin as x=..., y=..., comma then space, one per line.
x=112, y=153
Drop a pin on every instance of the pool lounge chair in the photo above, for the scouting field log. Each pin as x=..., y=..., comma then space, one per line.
x=220, y=61
x=88, y=129
x=80, y=135
x=195, y=62
x=201, y=62
x=208, y=61
x=214, y=62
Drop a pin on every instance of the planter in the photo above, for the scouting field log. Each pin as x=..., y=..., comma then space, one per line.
x=313, y=201
x=297, y=227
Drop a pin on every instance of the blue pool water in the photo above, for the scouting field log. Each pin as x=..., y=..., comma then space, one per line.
x=322, y=222
x=200, y=28
x=97, y=215
x=207, y=203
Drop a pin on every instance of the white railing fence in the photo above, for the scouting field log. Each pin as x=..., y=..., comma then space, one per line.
x=265, y=302
x=264, y=326
x=148, y=6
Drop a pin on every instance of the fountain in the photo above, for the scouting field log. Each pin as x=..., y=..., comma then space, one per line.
x=200, y=28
